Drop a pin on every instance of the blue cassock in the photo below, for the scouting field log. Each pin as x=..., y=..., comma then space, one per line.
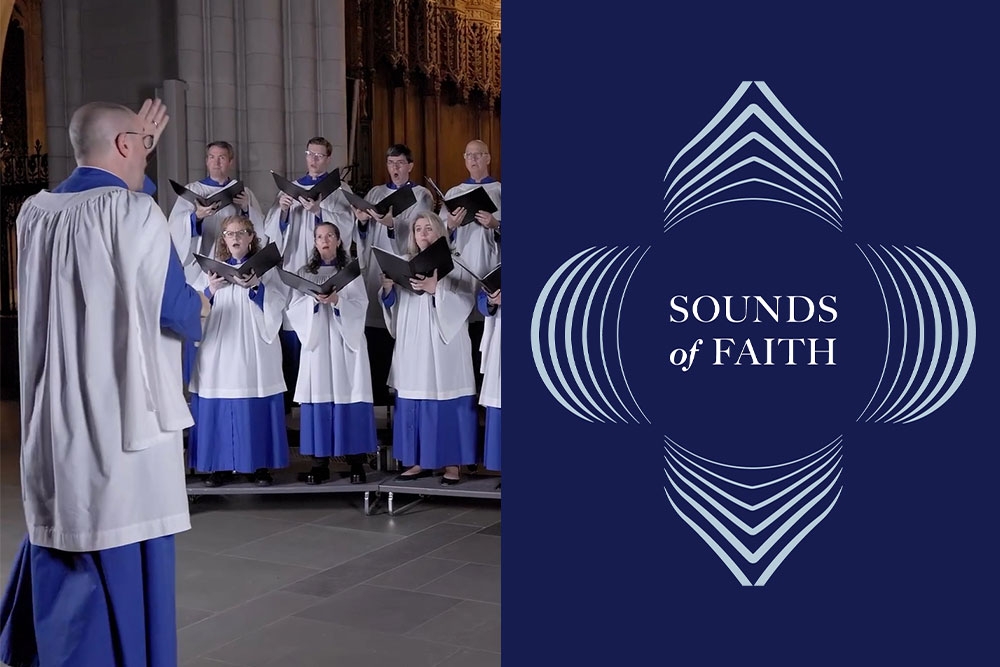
x=109, y=608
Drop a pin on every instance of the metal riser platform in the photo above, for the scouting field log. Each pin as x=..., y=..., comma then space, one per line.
x=379, y=485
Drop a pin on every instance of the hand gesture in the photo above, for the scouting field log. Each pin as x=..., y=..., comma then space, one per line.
x=154, y=118
x=455, y=217
x=427, y=284
x=215, y=283
x=386, y=283
x=386, y=219
x=202, y=212
x=242, y=201
x=285, y=201
x=493, y=299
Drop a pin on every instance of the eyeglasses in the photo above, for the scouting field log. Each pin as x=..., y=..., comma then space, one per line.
x=474, y=156
x=231, y=234
x=310, y=154
x=147, y=139
x=397, y=163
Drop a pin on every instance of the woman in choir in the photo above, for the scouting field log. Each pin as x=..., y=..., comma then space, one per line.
x=237, y=387
x=334, y=384
x=435, y=421
x=489, y=395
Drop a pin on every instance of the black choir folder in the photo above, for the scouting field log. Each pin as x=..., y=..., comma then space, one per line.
x=260, y=263
x=473, y=202
x=436, y=256
x=398, y=201
x=322, y=189
x=223, y=197
x=490, y=282
x=334, y=283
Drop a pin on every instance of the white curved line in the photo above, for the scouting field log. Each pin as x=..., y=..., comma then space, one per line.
x=726, y=108
x=953, y=350
x=818, y=463
x=970, y=342
x=773, y=99
x=938, y=333
x=743, y=163
x=713, y=545
x=920, y=336
x=888, y=343
x=568, y=325
x=761, y=551
x=604, y=358
x=586, y=327
x=571, y=357
x=769, y=519
x=780, y=557
x=755, y=110
x=817, y=453
x=753, y=507
x=820, y=213
x=618, y=344
x=777, y=152
x=731, y=201
x=536, y=346
x=906, y=335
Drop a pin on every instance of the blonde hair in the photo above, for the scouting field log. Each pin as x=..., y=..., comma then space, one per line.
x=222, y=250
x=436, y=224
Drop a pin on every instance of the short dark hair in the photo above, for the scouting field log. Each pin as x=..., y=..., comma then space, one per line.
x=221, y=144
x=400, y=149
x=321, y=141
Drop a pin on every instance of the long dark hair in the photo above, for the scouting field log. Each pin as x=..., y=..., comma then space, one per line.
x=340, y=261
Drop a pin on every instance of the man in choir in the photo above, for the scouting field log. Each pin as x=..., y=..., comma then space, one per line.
x=478, y=242
x=291, y=224
x=195, y=228
x=103, y=307
x=389, y=232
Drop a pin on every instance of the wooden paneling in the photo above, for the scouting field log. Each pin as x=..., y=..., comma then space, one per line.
x=431, y=71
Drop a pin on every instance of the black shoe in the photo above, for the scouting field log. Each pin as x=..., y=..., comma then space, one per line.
x=409, y=478
x=263, y=477
x=450, y=481
x=317, y=475
x=215, y=479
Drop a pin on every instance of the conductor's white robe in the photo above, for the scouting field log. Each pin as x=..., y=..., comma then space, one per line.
x=102, y=401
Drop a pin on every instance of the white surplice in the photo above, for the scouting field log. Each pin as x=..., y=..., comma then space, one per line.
x=477, y=245
x=432, y=358
x=334, y=365
x=489, y=394
x=102, y=400
x=296, y=243
x=377, y=236
x=211, y=227
x=239, y=355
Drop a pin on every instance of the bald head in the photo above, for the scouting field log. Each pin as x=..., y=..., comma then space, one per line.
x=477, y=159
x=94, y=127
